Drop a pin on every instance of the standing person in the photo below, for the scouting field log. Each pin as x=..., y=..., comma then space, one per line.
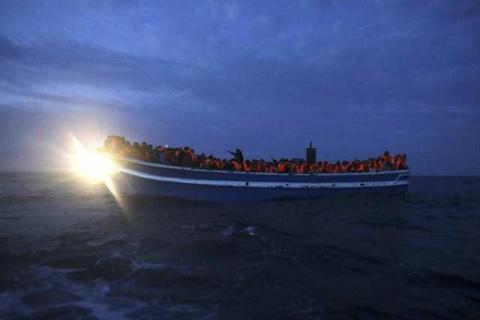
x=237, y=155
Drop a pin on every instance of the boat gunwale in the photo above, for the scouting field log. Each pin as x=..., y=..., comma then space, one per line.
x=166, y=166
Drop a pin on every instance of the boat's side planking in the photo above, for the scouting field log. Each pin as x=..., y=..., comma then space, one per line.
x=160, y=171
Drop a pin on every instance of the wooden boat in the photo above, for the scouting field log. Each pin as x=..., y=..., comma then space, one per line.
x=140, y=177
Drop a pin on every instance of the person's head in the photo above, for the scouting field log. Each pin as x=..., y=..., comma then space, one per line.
x=386, y=153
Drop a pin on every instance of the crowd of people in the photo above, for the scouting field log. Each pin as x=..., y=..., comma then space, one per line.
x=186, y=157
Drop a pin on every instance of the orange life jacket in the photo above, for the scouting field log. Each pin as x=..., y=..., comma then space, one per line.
x=322, y=167
x=293, y=167
x=190, y=154
x=346, y=167
x=237, y=166
x=301, y=168
x=206, y=163
x=361, y=168
x=398, y=164
x=246, y=167
x=260, y=167
x=215, y=164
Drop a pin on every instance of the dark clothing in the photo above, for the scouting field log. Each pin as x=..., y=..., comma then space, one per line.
x=237, y=155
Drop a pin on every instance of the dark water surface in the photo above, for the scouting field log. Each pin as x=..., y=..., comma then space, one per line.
x=69, y=251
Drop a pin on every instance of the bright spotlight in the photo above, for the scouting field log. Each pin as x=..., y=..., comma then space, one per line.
x=92, y=165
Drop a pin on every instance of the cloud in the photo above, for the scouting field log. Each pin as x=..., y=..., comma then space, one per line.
x=275, y=70
x=306, y=55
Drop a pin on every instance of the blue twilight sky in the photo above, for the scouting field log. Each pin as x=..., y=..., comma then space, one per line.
x=355, y=77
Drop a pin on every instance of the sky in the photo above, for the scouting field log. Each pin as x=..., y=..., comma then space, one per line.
x=354, y=77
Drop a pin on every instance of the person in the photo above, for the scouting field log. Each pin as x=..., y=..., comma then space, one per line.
x=237, y=155
x=159, y=154
x=404, y=161
x=247, y=165
x=185, y=156
x=199, y=161
x=301, y=167
x=401, y=162
x=237, y=165
x=387, y=157
x=312, y=167
x=282, y=166
x=362, y=167
x=337, y=167
x=345, y=166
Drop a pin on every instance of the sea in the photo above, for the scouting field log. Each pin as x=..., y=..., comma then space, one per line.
x=71, y=250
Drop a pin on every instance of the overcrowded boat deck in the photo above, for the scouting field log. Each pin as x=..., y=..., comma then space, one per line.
x=179, y=172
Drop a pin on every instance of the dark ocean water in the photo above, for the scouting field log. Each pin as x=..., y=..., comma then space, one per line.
x=70, y=251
